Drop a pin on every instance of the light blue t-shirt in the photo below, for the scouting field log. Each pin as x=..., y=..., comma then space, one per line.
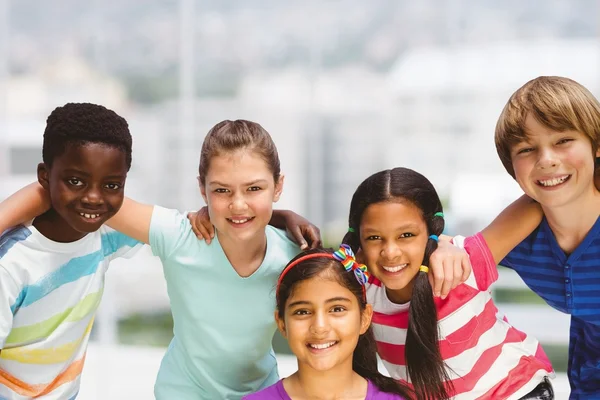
x=224, y=323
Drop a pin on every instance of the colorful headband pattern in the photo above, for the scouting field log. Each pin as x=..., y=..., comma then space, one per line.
x=345, y=255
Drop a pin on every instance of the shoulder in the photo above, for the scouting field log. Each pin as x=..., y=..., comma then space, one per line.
x=12, y=237
x=273, y=392
x=281, y=244
x=373, y=393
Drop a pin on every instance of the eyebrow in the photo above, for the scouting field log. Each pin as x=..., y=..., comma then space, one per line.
x=82, y=173
x=332, y=300
x=398, y=228
x=217, y=183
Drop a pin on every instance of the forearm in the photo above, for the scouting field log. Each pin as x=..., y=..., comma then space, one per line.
x=133, y=220
x=278, y=219
x=512, y=226
x=23, y=206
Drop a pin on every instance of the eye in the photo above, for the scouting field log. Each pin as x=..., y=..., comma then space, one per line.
x=525, y=150
x=113, y=186
x=564, y=140
x=254, y=189
x=301, y=311
x=406, y=235
x=221, y=190
x=373, y=237
x=75, y=182
x=338, y=309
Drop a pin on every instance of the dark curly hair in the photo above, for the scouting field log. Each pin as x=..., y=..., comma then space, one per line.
x=80, y=123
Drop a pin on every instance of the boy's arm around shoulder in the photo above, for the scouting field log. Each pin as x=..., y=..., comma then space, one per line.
x=133, y=220
x=512, y=226
x=23, y=205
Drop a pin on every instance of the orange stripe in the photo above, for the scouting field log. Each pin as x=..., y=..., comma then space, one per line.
x=25, y=389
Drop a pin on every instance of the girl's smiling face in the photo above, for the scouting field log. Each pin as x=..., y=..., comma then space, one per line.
x=393, y=237
x=322, y=322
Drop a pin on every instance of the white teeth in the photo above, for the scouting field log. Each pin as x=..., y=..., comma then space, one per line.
x=89, y=216
x=396, y=268
x=321, y=346
x=553, y=181
x=239, y=221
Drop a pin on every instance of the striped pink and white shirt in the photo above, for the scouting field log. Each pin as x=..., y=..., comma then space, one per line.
x=487, y=358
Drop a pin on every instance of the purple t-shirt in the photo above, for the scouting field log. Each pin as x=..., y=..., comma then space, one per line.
x=277, y=392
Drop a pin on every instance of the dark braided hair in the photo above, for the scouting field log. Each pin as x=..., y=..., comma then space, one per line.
x=81, y=123
x=425, y=366
x=364, y=359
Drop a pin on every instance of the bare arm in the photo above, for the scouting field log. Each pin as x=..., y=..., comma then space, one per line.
x=133, y=220
x=23, y=205
x=512, y=226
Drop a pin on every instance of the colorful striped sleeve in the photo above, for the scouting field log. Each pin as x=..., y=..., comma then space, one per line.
x=9, y=290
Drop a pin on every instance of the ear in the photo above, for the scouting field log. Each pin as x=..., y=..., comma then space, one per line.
x=278, y=188
x=42, y=175
x=202, y=190
x=365, y=320
x=280, y=324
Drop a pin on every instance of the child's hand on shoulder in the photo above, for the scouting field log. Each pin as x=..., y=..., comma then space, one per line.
x=449, y=267
x=201, y=224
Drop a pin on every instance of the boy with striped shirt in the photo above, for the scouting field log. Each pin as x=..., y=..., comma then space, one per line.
x=547, y=138
x=52, y=269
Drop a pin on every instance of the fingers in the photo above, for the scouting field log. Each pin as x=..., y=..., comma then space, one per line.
x=191, y=216
x=299, y=238
x=448, y=280
x=466, y=268
x=437, y=273
x=314, y=236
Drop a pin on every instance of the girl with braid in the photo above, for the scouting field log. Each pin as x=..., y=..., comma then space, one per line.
x=459, y=347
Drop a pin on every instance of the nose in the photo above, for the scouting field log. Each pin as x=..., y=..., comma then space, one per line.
x=547, y=159
x=319, y=325
x=390, y=251
x=93, y=196
x=238, y=203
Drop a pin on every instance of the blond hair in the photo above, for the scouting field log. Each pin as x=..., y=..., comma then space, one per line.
x=558, y=103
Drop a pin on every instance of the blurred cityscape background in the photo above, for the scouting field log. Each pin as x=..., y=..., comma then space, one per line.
x=346, y=88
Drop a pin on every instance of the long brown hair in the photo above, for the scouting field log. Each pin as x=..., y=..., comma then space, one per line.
x=424, y=363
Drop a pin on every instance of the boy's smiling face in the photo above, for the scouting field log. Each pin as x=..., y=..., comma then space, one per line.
x=554, y=168
x=86, y=186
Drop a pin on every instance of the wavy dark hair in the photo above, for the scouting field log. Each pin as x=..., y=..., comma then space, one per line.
x=425, y=366
x=364, y=360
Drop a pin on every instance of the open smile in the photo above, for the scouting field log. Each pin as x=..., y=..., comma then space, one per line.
x=394, y=269
x=240, y=221
x=321, y=347
x=553, y=182
x=91, y=217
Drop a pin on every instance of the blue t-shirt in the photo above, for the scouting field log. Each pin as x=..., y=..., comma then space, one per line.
x=223, y=323
x=571, y=284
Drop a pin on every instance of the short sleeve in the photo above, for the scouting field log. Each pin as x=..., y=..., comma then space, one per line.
x=117, y=245
x=9, y=302
x=168, y=230
x=482, y=261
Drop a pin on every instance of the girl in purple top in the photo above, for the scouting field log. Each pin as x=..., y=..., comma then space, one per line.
x=323, y=313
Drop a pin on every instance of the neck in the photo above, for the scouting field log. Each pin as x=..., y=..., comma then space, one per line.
x=572, y=222
x=400, y=296
x=247, y=261
x=55, y=228
x=339, y=382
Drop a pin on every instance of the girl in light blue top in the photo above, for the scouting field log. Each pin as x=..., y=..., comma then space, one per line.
x=221, y=294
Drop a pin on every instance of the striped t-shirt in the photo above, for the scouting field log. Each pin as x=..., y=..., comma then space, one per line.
x=571, y=284
x=49, y=293
x=487, y=358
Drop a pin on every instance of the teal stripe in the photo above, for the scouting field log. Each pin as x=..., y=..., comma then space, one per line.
x=73, y=270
